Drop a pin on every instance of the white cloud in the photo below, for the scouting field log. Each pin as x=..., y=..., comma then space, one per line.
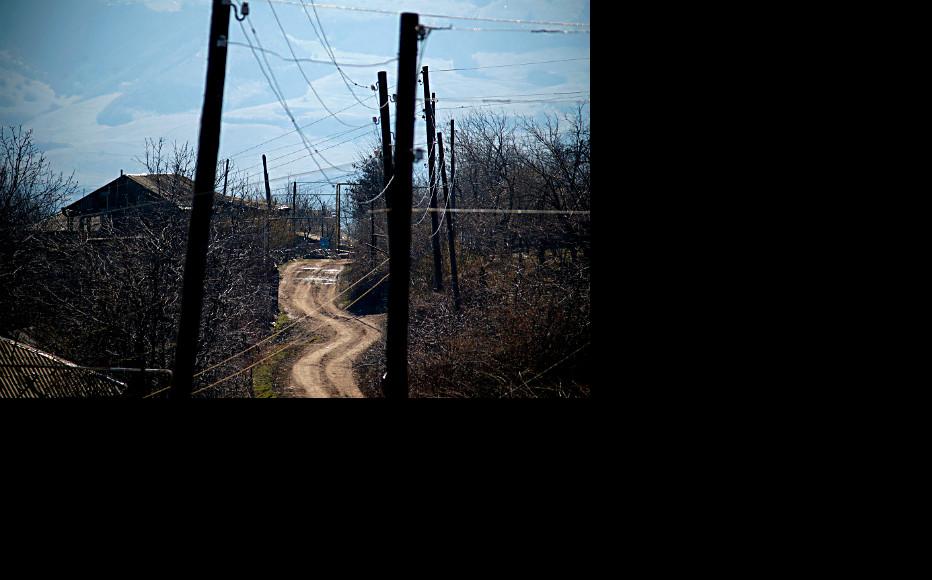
x=157, y=5
x=22, y=98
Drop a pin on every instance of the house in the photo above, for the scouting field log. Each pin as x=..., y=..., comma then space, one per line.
x=28, y=372
x=141, y=195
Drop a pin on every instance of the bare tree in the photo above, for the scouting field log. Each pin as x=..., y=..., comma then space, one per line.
x=30, y=194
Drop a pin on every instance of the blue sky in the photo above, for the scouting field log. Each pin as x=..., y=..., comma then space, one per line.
x=95, y=78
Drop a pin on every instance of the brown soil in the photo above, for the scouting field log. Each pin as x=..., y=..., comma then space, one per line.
x=324, y=368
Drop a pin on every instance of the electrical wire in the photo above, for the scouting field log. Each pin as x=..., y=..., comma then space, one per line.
x=304, y=157
x=490, y=210
x=535, y=31
x=507, y=65
x=301, y=147
x=529, y=102
x=322, y=37
x=480, y=97
x=239, y=153
x=318, y=61
x=380, y=193
x=288, y=345
x=300, y=69
x=273, y=84
x=283, y=329
x=451, y=17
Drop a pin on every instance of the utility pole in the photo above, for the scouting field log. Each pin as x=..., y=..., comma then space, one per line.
x=337, y=246
x=294, y=212
x=451, y=204
x=205, y=176
x=452, y=165
x=226, y=172
x=395, y=385
x=372, y=242
x=432, y=183
x=387, y=169
x=268, y=212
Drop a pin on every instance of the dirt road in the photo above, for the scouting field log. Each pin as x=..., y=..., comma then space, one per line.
x=324, y=368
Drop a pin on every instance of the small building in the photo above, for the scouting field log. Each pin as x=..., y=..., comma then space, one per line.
x=140, y=195
x=28, y=372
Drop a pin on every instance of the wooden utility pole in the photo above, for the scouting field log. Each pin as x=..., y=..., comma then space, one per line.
x=395, y=385
x=205, y=176
x=450, y=203
x=226, y=172
x=387, y=170
x=431, y=131
x=268, y=208
x=453, y=162
x=372, y=241
x=337, y=245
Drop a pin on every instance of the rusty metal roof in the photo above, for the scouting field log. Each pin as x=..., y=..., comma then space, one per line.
x=27, y=372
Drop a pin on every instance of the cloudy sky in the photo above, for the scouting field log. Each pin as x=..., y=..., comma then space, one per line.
x=94, y=78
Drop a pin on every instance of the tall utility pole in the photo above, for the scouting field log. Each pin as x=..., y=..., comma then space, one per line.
x=226, y=172
x=372, y=245
x=399, y=218
x=294, y=211
x=336, y=246
x=450, y=202
x=205, y=175
x=387, y=169
x=431, y=131
x=268, y=207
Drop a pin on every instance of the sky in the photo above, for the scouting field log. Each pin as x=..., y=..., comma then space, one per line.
x=94, y=79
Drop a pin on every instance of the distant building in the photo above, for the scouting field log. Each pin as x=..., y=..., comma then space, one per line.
x=27, y=372
x=142, y=195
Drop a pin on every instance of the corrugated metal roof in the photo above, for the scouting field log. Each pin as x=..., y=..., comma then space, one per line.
x=166, y=185
x=175, y=188
x=66, y=379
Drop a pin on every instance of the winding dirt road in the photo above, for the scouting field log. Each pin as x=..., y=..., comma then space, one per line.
x=324, y=368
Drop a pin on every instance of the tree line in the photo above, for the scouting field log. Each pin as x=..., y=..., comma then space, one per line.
x=111, y=296
x=524, y=278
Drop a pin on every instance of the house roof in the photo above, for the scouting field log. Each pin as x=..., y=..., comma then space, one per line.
x=28, y=372
x=166, y=185
x=176, y=189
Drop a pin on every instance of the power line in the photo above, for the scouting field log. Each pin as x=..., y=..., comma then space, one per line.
x=331, y=182
x=452, y=17
x=307, y=80
x=535, y=31
x=479, y=97
x=317, y=61
x=273, y=84
x=508, y=65
x=380, y=193
x=509, y=102
x=239, y=153
x=322, y=36
x=301, y=147
x=288, y=326
x=316, y=150
x=289, y=345
x=489, y=210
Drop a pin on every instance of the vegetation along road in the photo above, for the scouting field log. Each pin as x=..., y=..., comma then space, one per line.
x=324, y=368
